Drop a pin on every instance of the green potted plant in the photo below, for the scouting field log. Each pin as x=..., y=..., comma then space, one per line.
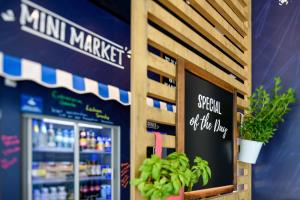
x=163, y=178
x=259, y=123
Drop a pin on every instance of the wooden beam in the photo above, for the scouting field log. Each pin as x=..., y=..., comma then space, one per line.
x=138, y=89
x=161, y=91
x=166, y=44
x=219, y=22
x=230, y=16
x=189, y=15
x=168, y=140
x=238, y=9
x=160, y=116
x=161, y=66
x=170, y=23
x=180, y=106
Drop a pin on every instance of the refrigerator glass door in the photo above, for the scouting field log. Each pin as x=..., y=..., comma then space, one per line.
x=95, y=165
x=52, y=158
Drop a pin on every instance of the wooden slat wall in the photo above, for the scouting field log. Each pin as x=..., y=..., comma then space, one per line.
x=214, y=35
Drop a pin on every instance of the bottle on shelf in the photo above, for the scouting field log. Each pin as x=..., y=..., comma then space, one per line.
x=35, y=133
x=97, y=189
x=88, y=139
x=71, y=139
x=82, y=140
x=59, y=138
x=93, y=140
x=51, y=136
x=62, y=194
x=53, y=193
x=45, y=194
x=100, y=144
x=43, y=135
x=36, y=194
x=91, y=190
x=65, y=140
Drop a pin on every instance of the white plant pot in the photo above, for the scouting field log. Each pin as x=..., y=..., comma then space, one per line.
x=249, y=151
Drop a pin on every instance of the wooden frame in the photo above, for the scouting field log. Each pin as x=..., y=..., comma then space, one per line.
x=182, y=66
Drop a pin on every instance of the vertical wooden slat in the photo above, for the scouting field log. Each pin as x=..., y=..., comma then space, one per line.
x=180, y=80
x=138, y=88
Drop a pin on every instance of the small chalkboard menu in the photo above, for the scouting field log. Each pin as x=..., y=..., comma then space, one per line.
x=209, y=130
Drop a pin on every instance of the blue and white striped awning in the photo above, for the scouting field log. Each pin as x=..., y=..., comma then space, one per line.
x=22, y=69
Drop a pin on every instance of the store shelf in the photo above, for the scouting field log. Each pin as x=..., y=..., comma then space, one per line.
x=94, y=151
x=53, y=150
x=50, y=181
x=94, y=178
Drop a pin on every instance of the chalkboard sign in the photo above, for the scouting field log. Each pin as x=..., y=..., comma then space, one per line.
x=209, y=129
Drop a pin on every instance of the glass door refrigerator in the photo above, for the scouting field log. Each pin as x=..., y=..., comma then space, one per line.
x=65, y=159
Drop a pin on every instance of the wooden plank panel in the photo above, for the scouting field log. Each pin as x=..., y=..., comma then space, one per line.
x=188, y=14
x=243, y=3
x=168, y=141
x=230, y=16
x=242, y=103
x=166, y=44
x=243, y=179
x=160, y=116
x=238, y=9
x=138, y=90
x=161, y=91
x=242, y=195
x=221, y=24
x=170, y=23
x=161, y=66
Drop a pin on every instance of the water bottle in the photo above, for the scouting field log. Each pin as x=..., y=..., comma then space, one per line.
x=45, y=194
x=51, y=136
x=43, y=135
x=71, y=139
x=59, y=138
x=53, y=193
x=36, y=194
x=65, y=140
x=35, y=133
x=62, y=194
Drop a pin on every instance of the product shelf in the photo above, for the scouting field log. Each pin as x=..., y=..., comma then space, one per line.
x=53, y=150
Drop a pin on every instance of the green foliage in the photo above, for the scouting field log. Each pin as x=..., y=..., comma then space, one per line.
x=265, y=112
x=161, y=178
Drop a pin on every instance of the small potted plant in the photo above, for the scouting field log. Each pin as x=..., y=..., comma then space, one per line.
x=259, y=123
x=165, y=178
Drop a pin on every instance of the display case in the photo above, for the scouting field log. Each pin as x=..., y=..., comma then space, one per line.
x=68, y=159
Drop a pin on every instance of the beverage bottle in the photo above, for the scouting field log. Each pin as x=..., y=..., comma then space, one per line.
x=100, y=144
x=94, y=169
x=35, y=133
x=82, y=140
x=45, y=194
x=88, y=140
x=43, y=135
x=93, y=141
x=108, y=192
x=71, y=139
x=53, y=193
x=65, y=140
x=81, y=191
x=88, y=163
x=98, y=169
x=107, y=145
x=97, y=189
x=103, y=191
x=91, y=190
x=36, y=194
x=59, y=138
x=85, y=191
x=62, y=194
x=51, y=136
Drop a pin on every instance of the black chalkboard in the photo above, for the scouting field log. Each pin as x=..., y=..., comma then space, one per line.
x=209, y=128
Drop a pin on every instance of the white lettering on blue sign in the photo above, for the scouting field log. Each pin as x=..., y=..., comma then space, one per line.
x=41, y=22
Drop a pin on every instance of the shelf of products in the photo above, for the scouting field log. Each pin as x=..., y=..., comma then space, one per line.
x=52, y=164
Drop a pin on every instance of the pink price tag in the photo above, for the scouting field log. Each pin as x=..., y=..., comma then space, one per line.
x=158, y=144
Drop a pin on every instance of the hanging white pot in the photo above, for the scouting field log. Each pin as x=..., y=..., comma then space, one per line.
x=249, y=151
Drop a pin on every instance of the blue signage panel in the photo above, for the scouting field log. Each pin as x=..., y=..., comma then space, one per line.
x=77, y=37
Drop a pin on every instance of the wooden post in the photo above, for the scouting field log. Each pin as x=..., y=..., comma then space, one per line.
x=138, y=88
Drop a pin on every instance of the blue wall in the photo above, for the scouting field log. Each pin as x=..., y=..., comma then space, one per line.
x=276, y=52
